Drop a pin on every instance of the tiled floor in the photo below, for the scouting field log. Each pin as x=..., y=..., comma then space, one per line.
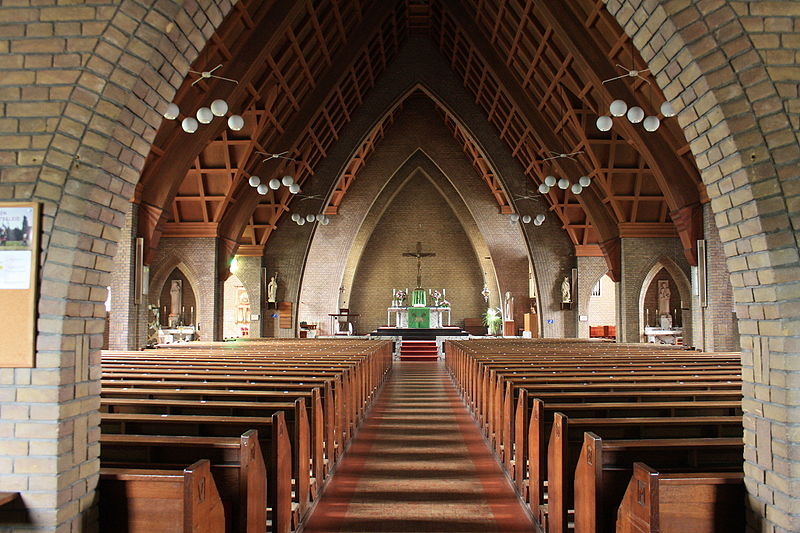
x=419, y=464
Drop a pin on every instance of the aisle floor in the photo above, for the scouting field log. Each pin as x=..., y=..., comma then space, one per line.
x=419, y=464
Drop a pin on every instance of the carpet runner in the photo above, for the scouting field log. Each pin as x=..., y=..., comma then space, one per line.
x=419, y=464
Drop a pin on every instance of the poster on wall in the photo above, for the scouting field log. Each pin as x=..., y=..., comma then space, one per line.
x=15, y=247
x=19, y=246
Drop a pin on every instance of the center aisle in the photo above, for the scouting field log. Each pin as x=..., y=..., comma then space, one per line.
x=419, y=464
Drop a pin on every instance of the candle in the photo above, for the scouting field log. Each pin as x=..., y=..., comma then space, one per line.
x=444, y=292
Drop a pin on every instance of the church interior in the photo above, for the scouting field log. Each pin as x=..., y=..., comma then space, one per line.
x=400, y=265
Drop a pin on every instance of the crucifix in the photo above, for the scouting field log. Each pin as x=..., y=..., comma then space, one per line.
x=419, y=254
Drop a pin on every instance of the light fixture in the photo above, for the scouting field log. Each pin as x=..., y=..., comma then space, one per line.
x=526, y=219
x=172, y=112
x=651, y=123
x=585, y=181
x=543, y=188
x=204, y=115
x=629, y=73
x=274, y=184
x=604, y=123
x=235, y=122
x=667, y=110
x=550, y=181
x=301, y=221
x=295, y=217
x=204, y=75
x=576, y=188
x=254, y=181
x=287, y=180
x=219, y=107
x=618, y=108
x=558, y=155
x=189, y=124
x=563, y=183
x=262, y=189
x=325, y=220
x=311, y=218
x=294, y=188
x=635, y=114
x=514, y=218
x=539, y=219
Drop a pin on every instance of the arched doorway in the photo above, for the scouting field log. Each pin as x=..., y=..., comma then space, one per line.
x=601, y=310
x=235, y=309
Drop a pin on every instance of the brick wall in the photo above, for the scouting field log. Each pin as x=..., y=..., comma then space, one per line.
x=127, y=321
x=249, y=273
x=197, y=260
x=602, y=310
x=590, y=270
x=720, y=327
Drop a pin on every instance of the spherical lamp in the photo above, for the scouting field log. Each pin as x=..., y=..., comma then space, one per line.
x=604, y=123
x=667, y=110
x=301, y=221
x=172, y=112
x=219, y=107
x=262, y=189
x=325, y=220
x=254, y=181
x=274, y=184
x=189, y=124
x=563, y=183
x=295, y=217
x=204, y=115
x=514, y=218
x=294, y=188
x=576, y=188
x=544, y=189
x=311, y=218
x=235, y=122
x=635, y=114
x=585, y=181
x=539, y=219
x=550, y=181
x=287, y=180
x=526, y=219
x=618, y=108
x=651, y=123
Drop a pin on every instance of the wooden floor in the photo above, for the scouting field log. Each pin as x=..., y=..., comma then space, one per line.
x=419, y=464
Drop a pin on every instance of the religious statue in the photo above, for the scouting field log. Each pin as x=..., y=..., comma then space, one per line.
x=509, y=306
x=419, y=254
x=566, y=296
x=175, y=300
x=272, y=290
x=665, y=318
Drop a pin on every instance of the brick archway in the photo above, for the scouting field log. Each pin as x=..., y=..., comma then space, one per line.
x=714, y=63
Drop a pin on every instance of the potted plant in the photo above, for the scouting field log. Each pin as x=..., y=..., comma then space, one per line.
x=492, y=319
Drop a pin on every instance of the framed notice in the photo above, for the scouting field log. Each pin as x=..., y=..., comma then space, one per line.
x=19, y=256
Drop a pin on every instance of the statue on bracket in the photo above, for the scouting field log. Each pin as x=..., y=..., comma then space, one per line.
x=272, y=292
x=508, y=307
x=566, y=291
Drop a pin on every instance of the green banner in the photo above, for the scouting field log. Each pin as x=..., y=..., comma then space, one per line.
x=419, y=317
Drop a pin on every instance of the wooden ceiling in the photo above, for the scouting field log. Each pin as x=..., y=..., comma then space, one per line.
x=535, y=67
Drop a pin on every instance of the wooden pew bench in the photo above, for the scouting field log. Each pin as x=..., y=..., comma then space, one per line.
x=605, y=467
x=237, y=465
x=682, y=502
x=161, y=501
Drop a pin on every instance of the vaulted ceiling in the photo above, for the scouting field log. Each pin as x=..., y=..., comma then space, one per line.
x=536, y=68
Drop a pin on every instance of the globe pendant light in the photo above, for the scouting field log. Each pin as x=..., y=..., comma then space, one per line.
x=585, y=181
x=667, y=110
x=635, y=114
x=295, y=217
x=172, y=112
x=310, y=218
x=235, y=122
x=618, y=108
x=526, y=219
x=563, y=183
x=319, y=217
x=287, y=180
x=514, y=218
x=550, y=181
x=262, y=189
x=274, y=184
x=294, y=188
x=255, y=181
x=325, y=220
x=189, y=124
x=651, y=123
x=604, y=123
x=301, y=221
x=543, y=188
x=539, y=219
x=219, y=108
x=576, y=188
x=204, y=115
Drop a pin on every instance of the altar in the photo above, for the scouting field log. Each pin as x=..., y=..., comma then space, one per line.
x=421, y=317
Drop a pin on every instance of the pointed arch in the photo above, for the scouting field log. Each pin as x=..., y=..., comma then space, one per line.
x=681, y=281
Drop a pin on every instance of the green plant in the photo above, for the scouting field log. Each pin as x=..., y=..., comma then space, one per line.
x=492, y=318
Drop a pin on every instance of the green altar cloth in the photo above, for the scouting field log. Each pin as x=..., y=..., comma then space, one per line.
x=419, y=317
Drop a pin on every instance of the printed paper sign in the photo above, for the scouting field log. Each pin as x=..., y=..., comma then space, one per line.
x=15, y=247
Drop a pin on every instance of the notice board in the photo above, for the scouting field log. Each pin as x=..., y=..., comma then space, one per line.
x=19, y=267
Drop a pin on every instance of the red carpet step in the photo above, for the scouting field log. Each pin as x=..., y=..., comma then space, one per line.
x=418, y=351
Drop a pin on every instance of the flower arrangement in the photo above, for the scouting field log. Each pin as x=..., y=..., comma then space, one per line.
x=436, y=296
x=492, y=319
x=399, y=297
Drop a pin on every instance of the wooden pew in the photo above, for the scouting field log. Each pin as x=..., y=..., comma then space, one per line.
x=565, y=442
x=161, y=501
x=701, y=502
x=604, y=470
x=237, y=465
x=273, y=437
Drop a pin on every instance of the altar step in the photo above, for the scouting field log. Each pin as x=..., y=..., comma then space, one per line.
x=418, y=350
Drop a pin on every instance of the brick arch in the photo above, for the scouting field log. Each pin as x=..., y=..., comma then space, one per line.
x=165, y=270
x=678, y=276
x=737, y=110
